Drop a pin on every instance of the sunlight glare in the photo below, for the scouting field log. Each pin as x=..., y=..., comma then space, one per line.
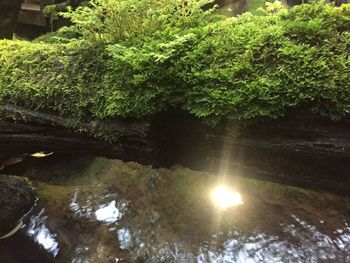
x=224, y=198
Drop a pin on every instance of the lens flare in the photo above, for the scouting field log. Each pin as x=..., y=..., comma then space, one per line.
x=225, y=198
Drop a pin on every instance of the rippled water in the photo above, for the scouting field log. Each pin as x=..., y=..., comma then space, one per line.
x=109, y=211
x=309, y=245
x=38, y=230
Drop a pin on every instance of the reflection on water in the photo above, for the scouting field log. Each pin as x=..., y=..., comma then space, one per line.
x=122, y=214
x=41, y=234
x=309, y=245
x=109, y=213
x=80, y=257
x=225, y=198
x=124, y=238
x=80, y=211
x=319, y=246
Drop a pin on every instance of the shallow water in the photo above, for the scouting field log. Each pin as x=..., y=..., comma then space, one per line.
x=99, y=210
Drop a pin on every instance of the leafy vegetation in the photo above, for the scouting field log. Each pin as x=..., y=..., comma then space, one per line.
x=137, y=58
x=114, y=21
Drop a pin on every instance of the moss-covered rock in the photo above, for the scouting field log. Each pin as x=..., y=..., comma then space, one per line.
x=242, y=68
x=17, y=198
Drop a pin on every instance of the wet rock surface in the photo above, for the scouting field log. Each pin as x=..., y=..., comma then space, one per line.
x=17, y=198
x=100, y=210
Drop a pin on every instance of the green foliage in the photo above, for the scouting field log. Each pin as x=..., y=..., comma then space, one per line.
x=254, y=5
x=112, y=21
x=240, y=68
x=263, y=66
x=64, y=35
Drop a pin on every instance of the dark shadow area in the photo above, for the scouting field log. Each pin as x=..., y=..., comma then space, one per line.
x=22, y=249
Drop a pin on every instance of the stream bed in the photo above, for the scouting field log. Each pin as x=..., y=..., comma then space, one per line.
x=93, y=209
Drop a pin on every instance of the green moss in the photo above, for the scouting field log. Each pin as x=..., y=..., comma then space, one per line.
x=254, y=5
x=242, y=68
x=57, y=37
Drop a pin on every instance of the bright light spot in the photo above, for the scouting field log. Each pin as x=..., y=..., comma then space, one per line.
x=225, y=198
x=41, y=234
x=108, y=213
x=41, y=154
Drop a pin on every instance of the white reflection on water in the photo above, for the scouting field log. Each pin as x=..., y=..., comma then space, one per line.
x=108, y=213
x=124, y=238
x=80, y=211
x=298, y=242
x=316, y=245
x=172, y=252
x=80, y=257
x=41, y=234
x=249, y=249
x=310, y=245
x=343, y=240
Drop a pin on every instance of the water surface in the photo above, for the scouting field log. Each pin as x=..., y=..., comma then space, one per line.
x=100, y=210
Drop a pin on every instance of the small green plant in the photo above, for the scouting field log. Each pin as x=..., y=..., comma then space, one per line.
x=114, y=21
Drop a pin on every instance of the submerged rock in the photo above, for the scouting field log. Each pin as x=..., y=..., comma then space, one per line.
x=17, y=198
x=102, y=210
